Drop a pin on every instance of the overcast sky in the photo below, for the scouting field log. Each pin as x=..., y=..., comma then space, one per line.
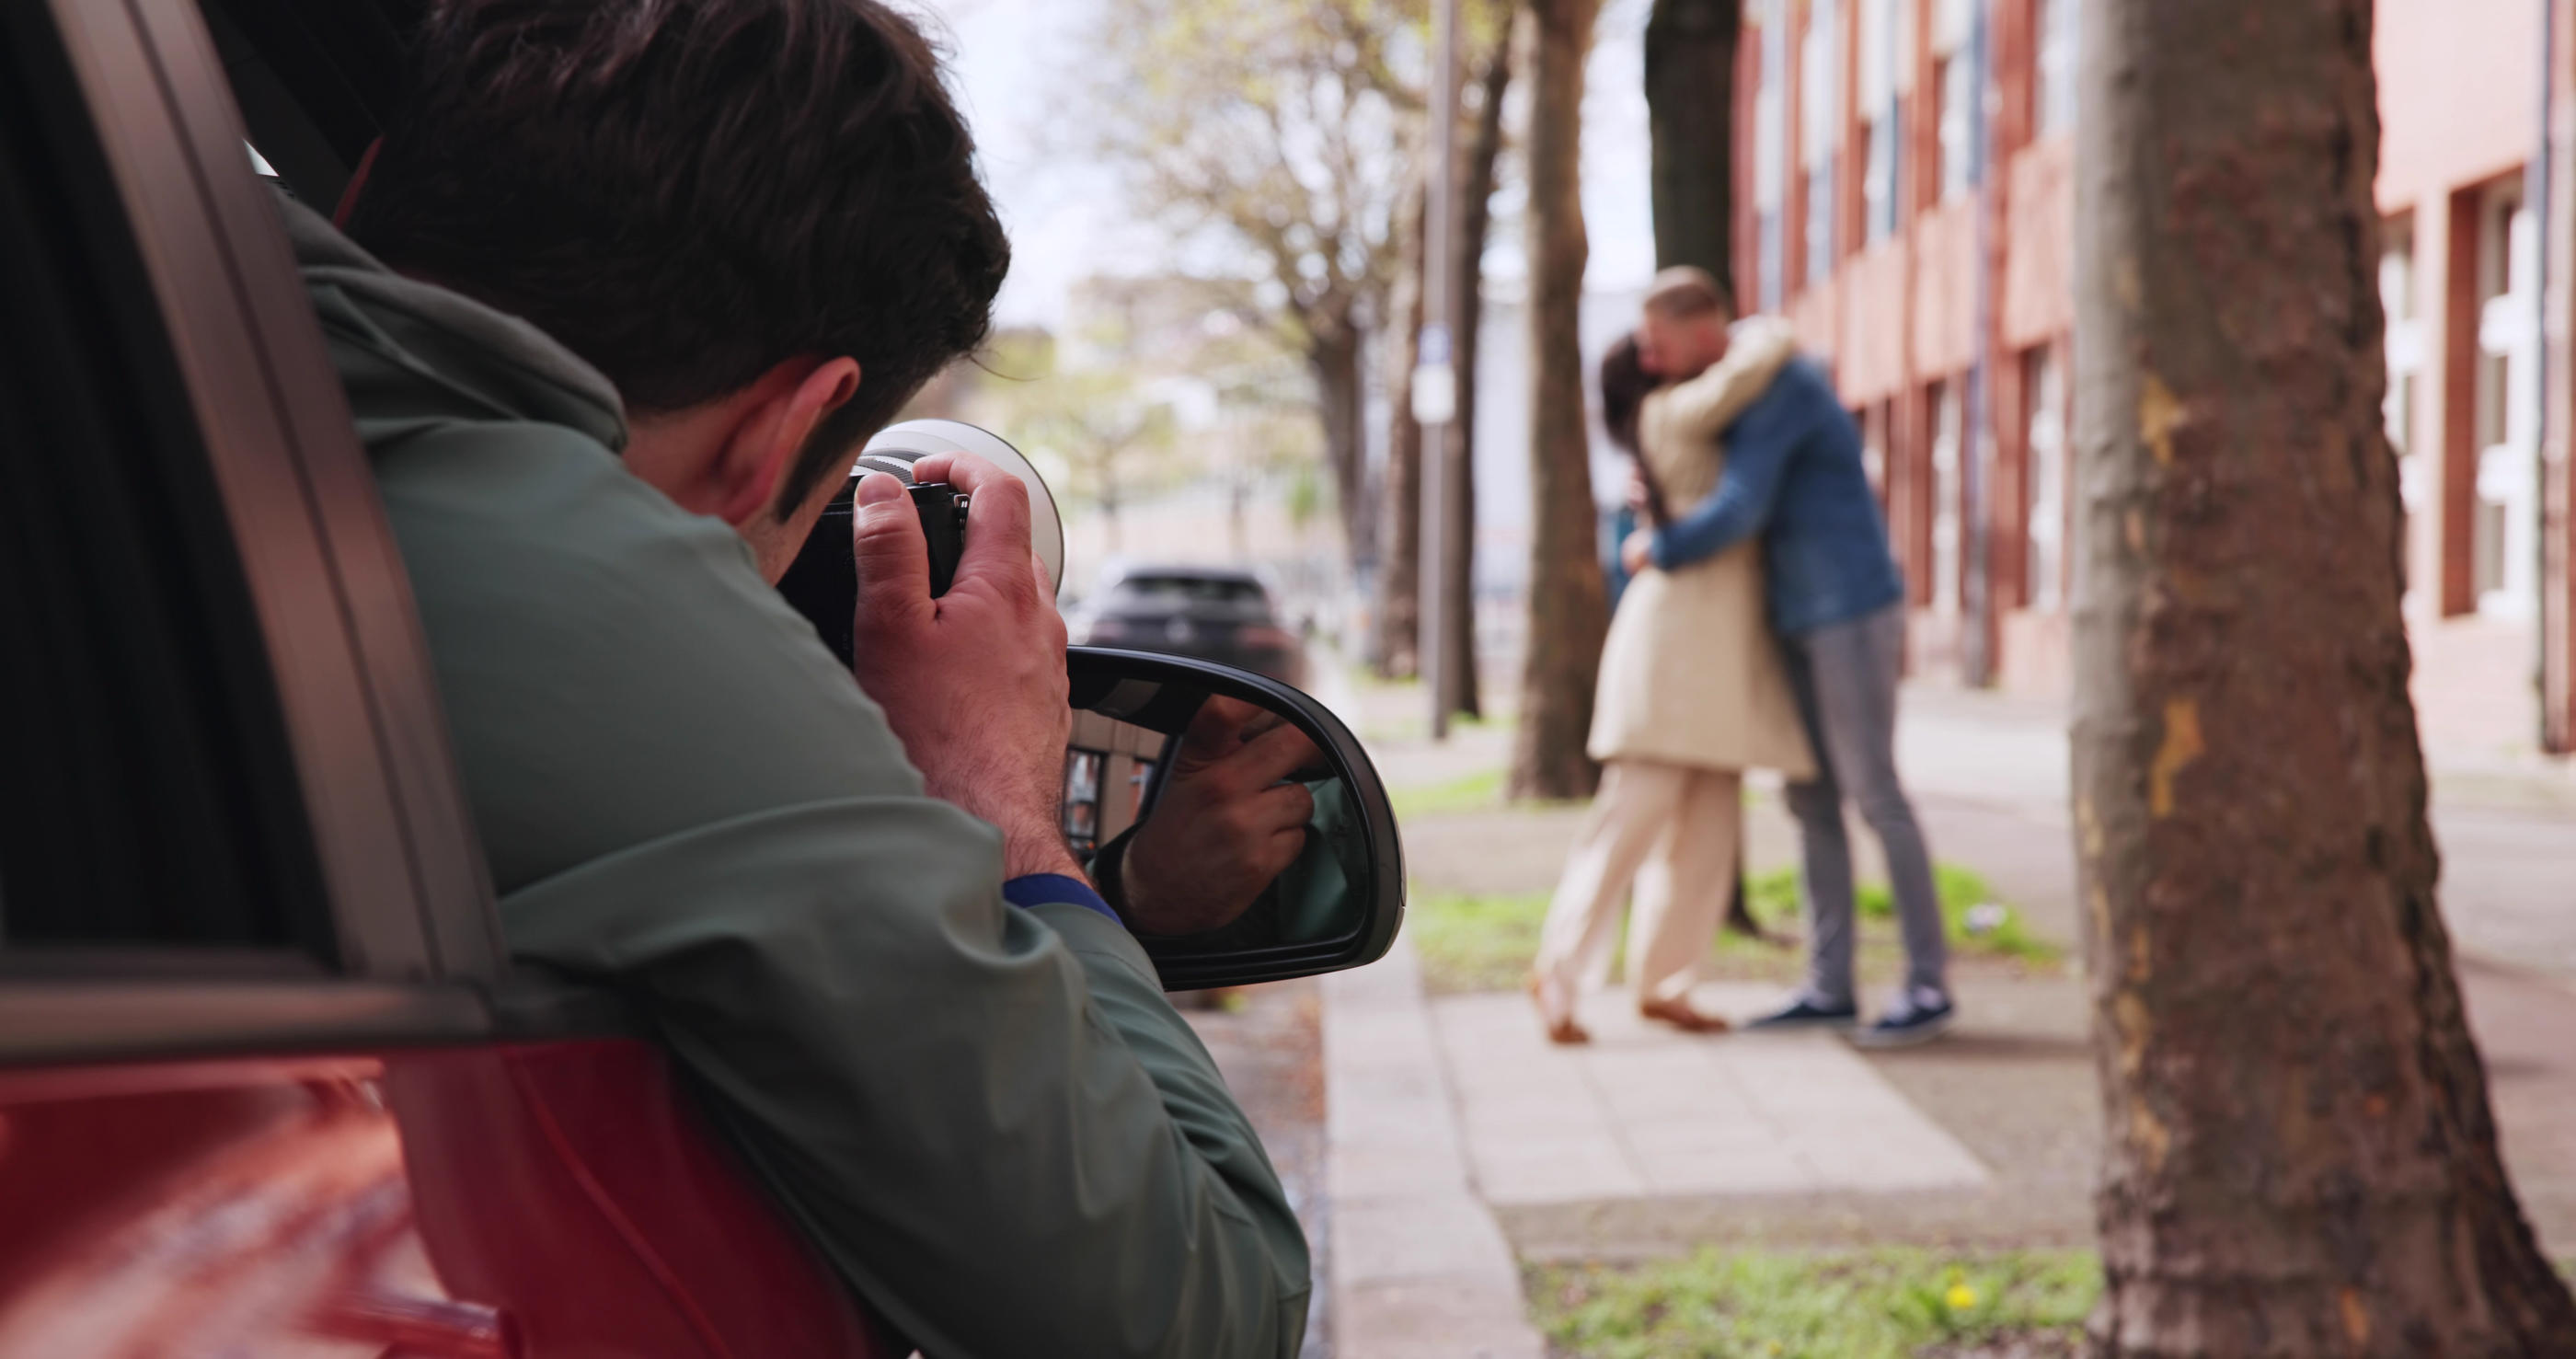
x=1064, y=215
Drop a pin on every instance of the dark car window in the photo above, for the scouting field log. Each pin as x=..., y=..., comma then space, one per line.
x=313, y=79
x=1178, y=591
x=147, y=796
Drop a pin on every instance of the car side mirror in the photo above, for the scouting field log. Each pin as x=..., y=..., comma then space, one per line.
x=1171, y=759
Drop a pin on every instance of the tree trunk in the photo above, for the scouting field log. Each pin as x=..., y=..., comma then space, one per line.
x=1690, y=121
x=1394, y=652
x=2299, y=1156
x=1333, y=356
x=1567, y=605
x=1475, y=222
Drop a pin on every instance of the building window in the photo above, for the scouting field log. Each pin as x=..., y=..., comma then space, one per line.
x=1819, y=92
x=2405, y=348
x=1954, y=94
x=1874, y=422
x=2508, y=405
x=1771, y=153
x=2045, y=510
x=1879, y=190
x=1770, y=263
x=1820, y=126
x=1770, y=113
x=2056, y=97
x=1885, y=58
x=1948, y=431
x=1082, y=799
x=1958, y=159
x=1820, y=222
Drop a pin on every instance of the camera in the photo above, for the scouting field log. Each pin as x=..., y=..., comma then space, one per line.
x=822, y=583
x=942, y=508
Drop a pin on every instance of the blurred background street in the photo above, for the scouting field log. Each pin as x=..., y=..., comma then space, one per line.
x=1650, y=1145
x=1212, y=339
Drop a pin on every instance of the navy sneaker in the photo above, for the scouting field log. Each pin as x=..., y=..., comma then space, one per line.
x=1806, y=1012
x=1919, y=1015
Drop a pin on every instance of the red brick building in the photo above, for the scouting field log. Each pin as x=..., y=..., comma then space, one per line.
x=1906, y=195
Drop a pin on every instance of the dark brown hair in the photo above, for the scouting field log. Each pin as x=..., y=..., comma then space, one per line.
x=688, y=192
x=1624, y=385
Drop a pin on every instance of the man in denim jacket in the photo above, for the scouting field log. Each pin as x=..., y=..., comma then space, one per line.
x=1835, y=595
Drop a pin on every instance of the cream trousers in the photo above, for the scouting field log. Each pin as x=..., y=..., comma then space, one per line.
x=1689, y=820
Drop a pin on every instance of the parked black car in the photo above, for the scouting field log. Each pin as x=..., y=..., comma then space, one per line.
x=1217, y=613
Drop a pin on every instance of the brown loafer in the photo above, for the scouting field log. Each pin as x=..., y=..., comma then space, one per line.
x=1680, y=1015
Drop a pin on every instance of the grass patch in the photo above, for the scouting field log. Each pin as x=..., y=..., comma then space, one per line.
x=1365, y=677
x=1477, y=792
x=1998, y=933
x=1471, y=942
x=1481, y=791
x=1474, y=943
x=1874, y=1304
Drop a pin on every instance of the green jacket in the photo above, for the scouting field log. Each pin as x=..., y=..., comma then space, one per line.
x=989, y=1118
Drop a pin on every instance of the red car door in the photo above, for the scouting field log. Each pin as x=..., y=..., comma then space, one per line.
x=268, y=1084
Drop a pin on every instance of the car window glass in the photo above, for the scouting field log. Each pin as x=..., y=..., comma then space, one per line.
x=147, y=797
x=312, y=79
x=1184, y=590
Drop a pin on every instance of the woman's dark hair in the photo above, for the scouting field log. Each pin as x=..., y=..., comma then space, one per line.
x=1624, y=385
x=688, y=192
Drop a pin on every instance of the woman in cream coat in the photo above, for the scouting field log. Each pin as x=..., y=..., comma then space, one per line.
x=1691, y=695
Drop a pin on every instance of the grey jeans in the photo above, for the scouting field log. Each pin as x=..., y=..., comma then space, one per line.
x=1845, y=677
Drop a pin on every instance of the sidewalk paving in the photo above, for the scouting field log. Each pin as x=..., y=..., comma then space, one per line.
x=1644, y=1110
x=1651, y=1142
x=1420, y=1270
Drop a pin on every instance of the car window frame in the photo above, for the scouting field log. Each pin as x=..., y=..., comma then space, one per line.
x=416, y=932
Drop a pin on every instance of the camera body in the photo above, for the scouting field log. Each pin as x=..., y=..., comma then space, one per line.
x=822, y=583
x=897, y=447
x=942, y=508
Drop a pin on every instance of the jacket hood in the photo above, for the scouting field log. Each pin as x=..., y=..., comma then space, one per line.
x=449, y=352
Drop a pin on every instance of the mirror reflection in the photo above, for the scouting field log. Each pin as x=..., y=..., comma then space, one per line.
x=1212, y=823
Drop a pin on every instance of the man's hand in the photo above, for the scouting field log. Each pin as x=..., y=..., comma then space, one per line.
x=1226, y=823
x=972, y=682
x=1638, y=551
x=1640, y=499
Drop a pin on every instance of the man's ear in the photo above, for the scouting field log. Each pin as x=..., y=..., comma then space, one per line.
x=791, y=399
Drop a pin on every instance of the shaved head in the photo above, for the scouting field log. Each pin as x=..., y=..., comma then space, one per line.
x=1683, y=328
x=1686, y=293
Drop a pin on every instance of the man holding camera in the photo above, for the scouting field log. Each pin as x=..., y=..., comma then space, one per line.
x=630, y=283
x=1836, y=598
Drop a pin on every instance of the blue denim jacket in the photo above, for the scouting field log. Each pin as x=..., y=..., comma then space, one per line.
x=1794, y=475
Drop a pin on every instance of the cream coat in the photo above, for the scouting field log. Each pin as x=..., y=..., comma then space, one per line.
x=1691, y=674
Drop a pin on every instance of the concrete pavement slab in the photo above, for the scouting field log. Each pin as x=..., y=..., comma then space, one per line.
x=1429, y=1319
x=1420, y=1268
x=1269, y=1045
x=1646, y=1110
